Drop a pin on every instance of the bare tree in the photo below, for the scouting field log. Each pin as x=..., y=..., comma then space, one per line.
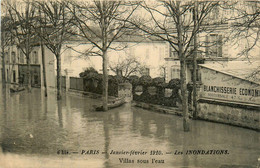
x=245, y=24
x=5, y=42
x=244, y=21
x=173, y=22
x=127, y=67
x=39, y=26
x=101, y=23
x=53, y=31
x=22, y=18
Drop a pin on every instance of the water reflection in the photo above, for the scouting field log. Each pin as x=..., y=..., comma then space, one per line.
x=37, y=126
x=59, y=105
x=107, y=143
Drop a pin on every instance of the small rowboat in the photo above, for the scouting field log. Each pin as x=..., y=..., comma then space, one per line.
x=17, y=89
x=113, y=104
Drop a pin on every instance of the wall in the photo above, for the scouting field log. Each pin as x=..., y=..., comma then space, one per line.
x=50, y=68
x=232, y=49
x=1, y=74
x=1, y=66
x=230, y=115
x=150, y=54
x=10, y=67
x=125, y=91
x=35, y=75
x=232, y=106
x=219, y=86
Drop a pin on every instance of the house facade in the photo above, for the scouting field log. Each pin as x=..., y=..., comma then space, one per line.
x=16, y=67
x=150, y=54
x=217, y=42
x=11, y=65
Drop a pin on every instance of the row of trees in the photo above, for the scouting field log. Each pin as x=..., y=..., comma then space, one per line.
x=103, y=22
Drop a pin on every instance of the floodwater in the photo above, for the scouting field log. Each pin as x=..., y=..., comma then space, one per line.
x=39, y=132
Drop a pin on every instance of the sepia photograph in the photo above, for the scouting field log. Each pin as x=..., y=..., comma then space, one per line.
x=130, y=84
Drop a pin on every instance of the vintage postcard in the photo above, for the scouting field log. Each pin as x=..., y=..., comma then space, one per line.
x=116, y=84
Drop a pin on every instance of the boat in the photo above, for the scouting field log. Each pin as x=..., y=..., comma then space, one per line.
x=112, y=104
x=17, y=89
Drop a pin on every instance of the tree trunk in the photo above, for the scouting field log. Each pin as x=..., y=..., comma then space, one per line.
x=3, y=68
x=28, y=51
x=43, y=57
x=44, y=70
x=105, y=59
x=105, y=81
x=58, y=76
x=184, y=93
x=29, y=78
x=194, y=79
x=3, y=59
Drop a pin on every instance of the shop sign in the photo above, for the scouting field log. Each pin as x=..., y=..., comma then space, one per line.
x=224, y=87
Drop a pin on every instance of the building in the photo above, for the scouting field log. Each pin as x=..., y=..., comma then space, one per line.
x=230, y=93
x=16, y=67
x=232, y=82
x=11, y=68
x=157, y=57
x=227, y=77
x=150, y=53
x=215, y=44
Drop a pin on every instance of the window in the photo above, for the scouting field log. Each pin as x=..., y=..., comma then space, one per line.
x=14, y=76
x=21, y=78
x=119, y=72
x=146, y=71
x=35, y=57
x=175, y=72
x=173, y=53
x=7, y=59
x=21, y=57
x=7, y=75
x=36, y=79
x=163, y=72
x=214, y=45
x=215, y=13
x=13, y=57
x=198, y=76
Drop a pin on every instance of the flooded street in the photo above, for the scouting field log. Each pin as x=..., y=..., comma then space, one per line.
x=40, y=132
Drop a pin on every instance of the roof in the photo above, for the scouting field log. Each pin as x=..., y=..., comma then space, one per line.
x=245, y=70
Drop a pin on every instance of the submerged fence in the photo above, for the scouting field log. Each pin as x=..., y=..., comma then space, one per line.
x=76, y=83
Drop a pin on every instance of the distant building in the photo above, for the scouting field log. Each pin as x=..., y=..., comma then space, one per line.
x=16, y=67
x=149, y=53
x=11, y=65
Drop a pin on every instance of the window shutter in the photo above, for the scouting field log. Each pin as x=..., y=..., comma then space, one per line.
x=220, y=38
x=207, y=46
